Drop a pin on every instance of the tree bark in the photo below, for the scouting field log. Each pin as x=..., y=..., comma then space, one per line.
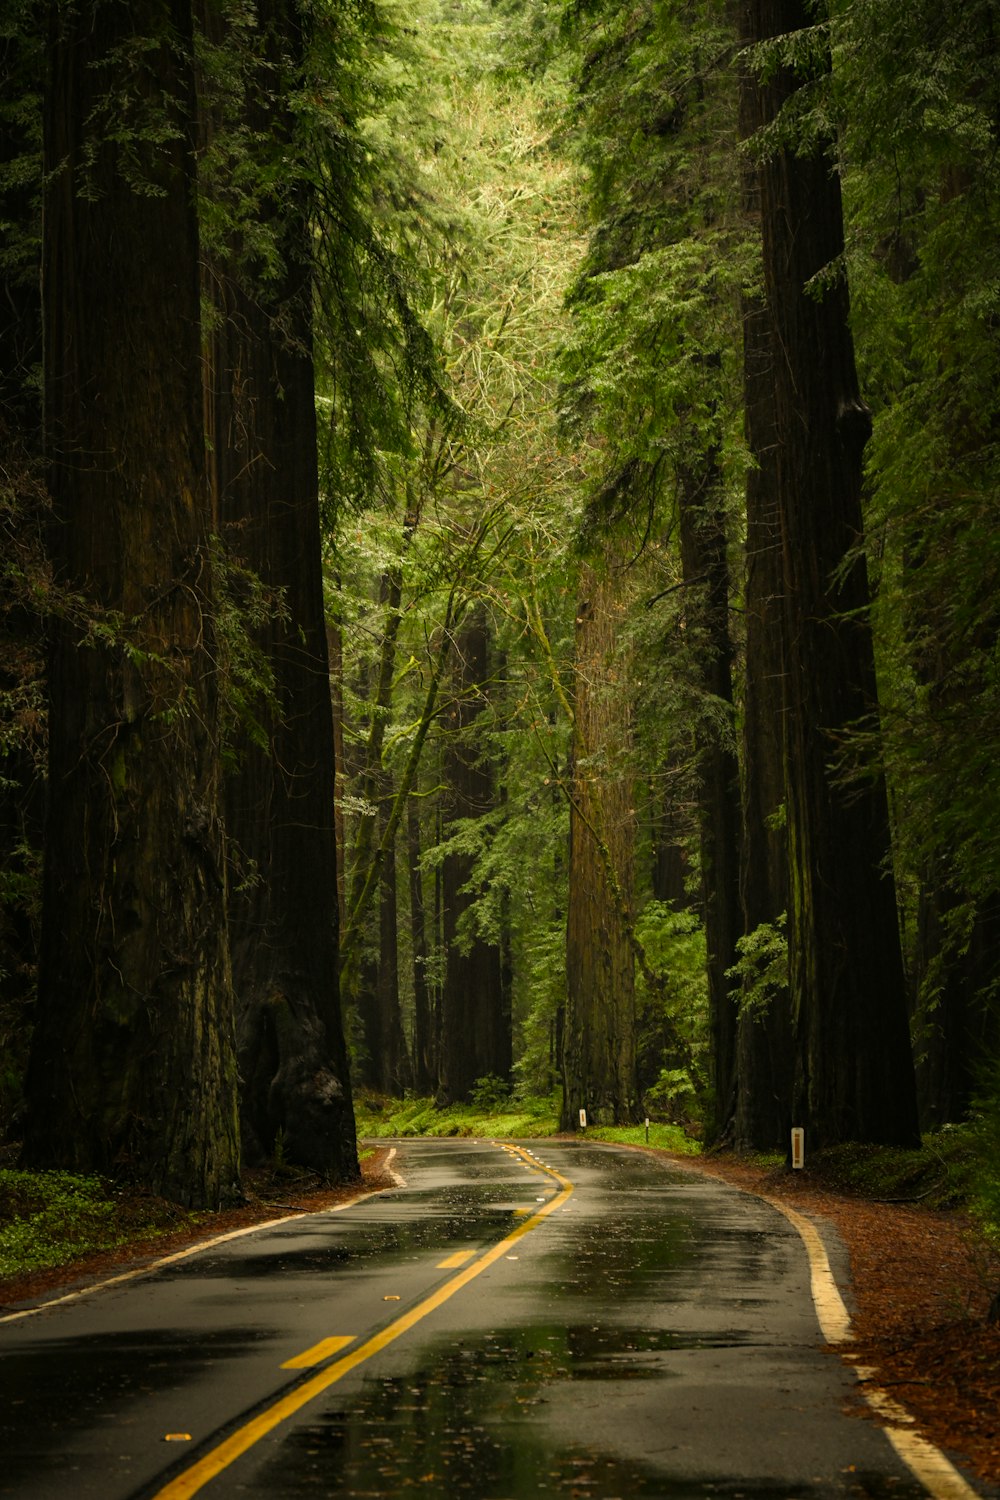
x=475, y=1032
x=23, y=560
x=133, y=1069
x=387, y=1067
x=765, y=1047
x=765, y=1050
x=424, y=1076
x=706, y=573
x=599, y=1040
x=855, y=1071
x=280, y=800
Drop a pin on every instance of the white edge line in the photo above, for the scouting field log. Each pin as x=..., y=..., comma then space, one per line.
x=202, y=1245
x=925, y=1461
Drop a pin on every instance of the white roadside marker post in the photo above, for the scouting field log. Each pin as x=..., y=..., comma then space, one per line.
x=798, y=1147
x=583, y=1119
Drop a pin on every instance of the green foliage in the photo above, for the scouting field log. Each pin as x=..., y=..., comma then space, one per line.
x=922, y=193
x=984, y=1134
x=761, y=972
x=940, y=1174
x=364, y=125
x=386, y=1119
x=490, y=1093
x=470, y=515
x=661, y=1137
x=673, y=1094
x=654, y=359
x=674, y=946
x=49, y=1218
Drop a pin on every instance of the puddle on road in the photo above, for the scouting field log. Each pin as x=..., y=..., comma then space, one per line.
x=476, y=1427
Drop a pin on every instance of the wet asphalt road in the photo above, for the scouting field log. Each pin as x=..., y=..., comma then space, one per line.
x=652, y=1335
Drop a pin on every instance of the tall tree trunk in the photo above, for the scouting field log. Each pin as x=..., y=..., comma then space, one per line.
x=133, y=1069
x=387, y=1067
x=706, y=574
x=280, y=800
x=335, y=648
x=599, y=1041
x=22, y=548
x=670, y=827
x=766, y=1057
x=475, y=1032
x=765, y=1047
x=423, y=1013
x=855, y=1067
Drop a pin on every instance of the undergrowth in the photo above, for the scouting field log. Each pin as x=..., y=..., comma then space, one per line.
x=939, y=1174
x=49, y=1218
x=664, y=1137
x=381, y=1118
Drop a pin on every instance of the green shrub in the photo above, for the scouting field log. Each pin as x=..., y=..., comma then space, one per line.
x=47, y=1217
x=50, y=1218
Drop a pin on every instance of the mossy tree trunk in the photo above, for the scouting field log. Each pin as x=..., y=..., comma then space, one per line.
x=280, y=799
x=599, y=1028
x=855, y=1071
x=766, y=1059
x=704, y=556
x=765, y=1048
x=133, y=1066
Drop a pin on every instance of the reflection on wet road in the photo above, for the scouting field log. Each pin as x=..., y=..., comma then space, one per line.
x=651, y=1334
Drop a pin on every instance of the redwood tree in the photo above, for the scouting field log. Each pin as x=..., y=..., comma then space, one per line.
x=703, y=535
x=133, y=1068
x=854, y=1066
x=599, y=1041
x=280, y=798
x=765, y=1056
x=475, y=1022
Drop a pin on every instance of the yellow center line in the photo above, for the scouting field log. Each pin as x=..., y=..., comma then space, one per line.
x=319, y=1352
x=454, y=1261
x=244, y=1438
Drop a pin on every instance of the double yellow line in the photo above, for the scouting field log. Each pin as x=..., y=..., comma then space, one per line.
x=239, y=1442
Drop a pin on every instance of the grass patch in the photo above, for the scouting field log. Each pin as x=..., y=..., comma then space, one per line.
x=49, y=1218
x=382, y=1119
x=666, y=1137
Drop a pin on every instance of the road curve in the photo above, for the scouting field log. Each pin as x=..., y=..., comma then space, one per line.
x=516, y=1321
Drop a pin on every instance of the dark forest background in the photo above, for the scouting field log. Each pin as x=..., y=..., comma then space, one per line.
x=500, y=571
